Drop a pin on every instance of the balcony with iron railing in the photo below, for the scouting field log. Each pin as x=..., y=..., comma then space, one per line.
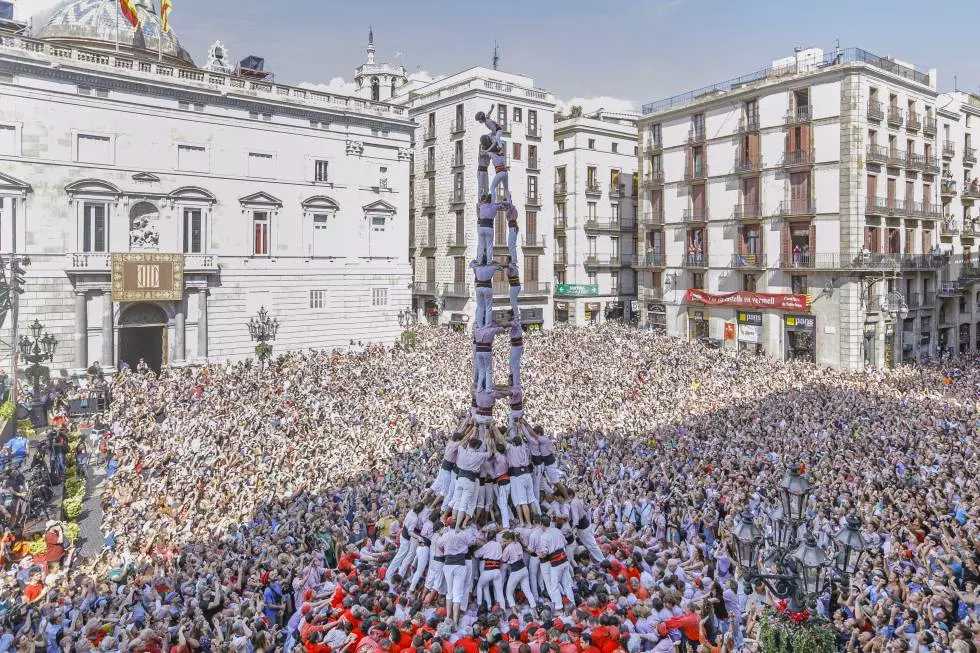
x=424, y=287
x=748, y=164
x=949, y=149
x=915, y=161
x=457, y=126
x=895, y=115
x=532, y=241
x=533, y=198
x=616, y=191
x=532, y=164
x=456, y=289
x=695, y=215
x=800, y=114
x=971, y=192
x=748, y=261
x=870, y=262
x=929, y=125
x=429, y=134
x=651, y=259
x=427, y=200
x=695, y=135
x=458, y=162
x=457, y=196
x=528, y=289
x=653, y=146
x=652, y=179
x=748, y=123
x=797, y=207
x=561, y=259
x=884, y=206
x=876, y=111
x=426, y=241
x=651, y=294
x=747, y=211
x=948, y=228
x=896, y=157
x=696, y=171
x=913, y=123
x=607, y=260
x=698, y=260
x=561, y=188
x=969, y=155
x=429, y=168
x=877, y=153
x=947, y=187
x=561, y=223
x=534, y=131
x=802, y=158
x=931, y=165
x=653, y=217
x=593, y=187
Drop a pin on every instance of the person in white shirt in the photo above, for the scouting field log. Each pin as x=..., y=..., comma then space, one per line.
x=483, y=280
x=490, y=556
x=405, y=542
x=554, y=563
x=513, y=557
x=469, y=459
x=435, y=581
x=423, y=540
x=582, y=522
x=455, y=542
x=498, y=157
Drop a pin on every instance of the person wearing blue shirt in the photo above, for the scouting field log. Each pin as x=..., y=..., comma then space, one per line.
x=272, y=599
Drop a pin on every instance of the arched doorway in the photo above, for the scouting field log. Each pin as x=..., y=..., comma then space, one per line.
x=143, y=335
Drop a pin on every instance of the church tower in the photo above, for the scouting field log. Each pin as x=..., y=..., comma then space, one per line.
x=378, y=82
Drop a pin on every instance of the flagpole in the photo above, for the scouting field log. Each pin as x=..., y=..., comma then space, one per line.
x=117, y=23
x=160, y=33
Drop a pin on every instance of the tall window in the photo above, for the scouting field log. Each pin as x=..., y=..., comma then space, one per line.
x=192, y=157
x=193, y=231
x=458, y=154
x=318, y=298
x=517, y=151
x=8, y=140
x=591, y=177
x=320, y=171
x=531, y=233
x=259, y=164
x=532, y=186
x=375, y=89
x=532, y=156
x=321, y=222
x=518, y=114
x=379, y=296
x=459, y=116
x=95, y=227
x=260, y=233
x=94, y=149
x=502, y=116
x=532, y=121
x=591, y=143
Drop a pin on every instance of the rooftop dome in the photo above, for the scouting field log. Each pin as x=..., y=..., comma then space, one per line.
x=93, y=23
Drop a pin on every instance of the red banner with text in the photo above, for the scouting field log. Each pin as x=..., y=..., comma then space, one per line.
x=745, y=299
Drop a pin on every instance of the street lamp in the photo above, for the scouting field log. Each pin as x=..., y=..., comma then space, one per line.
x=263, y=330
x=36, y=349
x=795, y=568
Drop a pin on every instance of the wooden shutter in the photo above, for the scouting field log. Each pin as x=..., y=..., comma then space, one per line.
x=872, y=187
x=532, y=226
x=813, y=240
x=459, y=269
x=785, y=240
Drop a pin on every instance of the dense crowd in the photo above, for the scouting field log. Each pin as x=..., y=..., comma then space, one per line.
x=260, y=510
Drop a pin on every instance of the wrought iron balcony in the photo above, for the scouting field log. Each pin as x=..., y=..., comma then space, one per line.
x=800, y=114
x=560, y=188
x=949, y=149
x=533, y=241
x=653, y=217
x=971, y=192
x=969, y=155
x=950, y=289
x=748, y=164
x=606, y=261
x=652, y=179
x=456, y=241
x=865, y=262
x=748, y=123
x=931, y=166
x=532, y=164
x=561, y=223
x=652, y=260
x=696, y=260
x=457, y=196
x=915, y=161
x=593, y=188
x=458, y=162
x=696, y=172
x=695, y=135
x=749, y=261
x=429, y=168
x=651, y=294
x=798, y=158
x=947, y=187
x=913, y=124
x=424, y=287
x=895, y=116
x=536, y=289
x=561, y=259
x=877, y=153
x=598, y=224
x=430, y=134
x=695, y=216
x=875, y=110
x=458, y=126
x=427, y=200
x=748, y=211
x=533, y=199
x=616, y=191
x=797, y=207
x=427, y=241
x=929, y=125
x=533, y=131
x=949, y=228
x=461, y=289
x=653, y=146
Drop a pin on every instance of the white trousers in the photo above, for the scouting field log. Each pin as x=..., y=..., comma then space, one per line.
x=512, y=244
x=464, y=498
x=484, y=244
x=488, y=576
x=483, y=361
x=434, y=578
x=407, y=560
x=558, y=582
x=455, y=576
x=587, y=538
x=400, y=555
x=515, y=578
x=503, y=494
x=534, y=577
x=521, y=490
x=421, y=562
x=484, y=307
x=515, y=292
x=498, y=179
x=515, y=366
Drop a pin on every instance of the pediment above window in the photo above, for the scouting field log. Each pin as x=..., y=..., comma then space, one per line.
x=260, y=199
x=380, y=206
x=146, y=178
x=10, y=184
x=321, y=203
x=192, y=194
x=93, y=189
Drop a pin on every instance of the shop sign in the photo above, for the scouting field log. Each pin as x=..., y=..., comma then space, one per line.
x=147, y=277
x=805, y=322
x=750, y=333
x=745, y=299
x=744, y=317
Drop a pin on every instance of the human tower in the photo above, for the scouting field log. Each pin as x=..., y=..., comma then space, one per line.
x=497, y=520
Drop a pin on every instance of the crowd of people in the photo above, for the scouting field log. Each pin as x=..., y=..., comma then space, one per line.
x=287, y=509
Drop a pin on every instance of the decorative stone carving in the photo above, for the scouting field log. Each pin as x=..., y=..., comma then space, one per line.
x=404, y=153
x=144, y=228
x=218, y=58
x=355, y=148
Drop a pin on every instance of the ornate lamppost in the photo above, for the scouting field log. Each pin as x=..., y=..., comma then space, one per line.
x=36, y=349
x=795, y=568
x=262, y=330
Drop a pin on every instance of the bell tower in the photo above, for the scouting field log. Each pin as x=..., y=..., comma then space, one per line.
x=378, y=81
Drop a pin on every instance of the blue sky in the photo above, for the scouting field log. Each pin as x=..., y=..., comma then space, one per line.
x=609, y=54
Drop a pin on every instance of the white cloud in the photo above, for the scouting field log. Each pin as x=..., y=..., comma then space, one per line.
x=24, y=9
x=424, y=77
x=337, y=85
x=590, y=104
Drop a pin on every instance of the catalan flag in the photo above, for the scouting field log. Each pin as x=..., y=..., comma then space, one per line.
x=128, y=9
x=165, y=7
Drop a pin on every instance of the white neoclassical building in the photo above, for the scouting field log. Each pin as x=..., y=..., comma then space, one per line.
x=162, y=203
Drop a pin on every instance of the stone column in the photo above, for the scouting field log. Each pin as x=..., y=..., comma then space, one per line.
x=179, y=330
x=108, y=325
x=81, y=330
x=202, y=323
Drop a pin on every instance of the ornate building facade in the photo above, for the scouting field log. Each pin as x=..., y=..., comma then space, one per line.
x=162, y=203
